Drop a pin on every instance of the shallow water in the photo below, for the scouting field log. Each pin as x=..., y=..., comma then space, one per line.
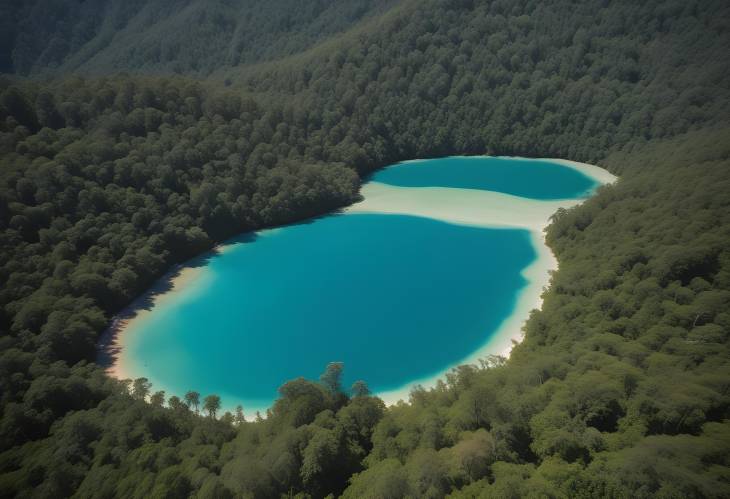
x=397, y=298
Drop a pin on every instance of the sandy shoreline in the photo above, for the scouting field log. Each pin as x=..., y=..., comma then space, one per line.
x=483, y=209
x=122, y=328
x=453, y=205
x=600, y=175
x=459, y=206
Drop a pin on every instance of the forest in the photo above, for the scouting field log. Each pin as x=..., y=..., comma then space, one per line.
x=142, y=135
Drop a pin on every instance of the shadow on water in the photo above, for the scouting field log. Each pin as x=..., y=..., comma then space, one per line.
x=108, y=347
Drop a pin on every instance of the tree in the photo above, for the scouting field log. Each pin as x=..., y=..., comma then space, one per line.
x=176, y=404
x=192, y=398
x=212, y=403
x=239, y=418
x=47, y=111
x=320, y=460
x=360, y=389
x=332, y=377
x=228, y=418
x=17, y=105
x=474, y=453
x=141, y=388
x=386, y=478
x=158, y=398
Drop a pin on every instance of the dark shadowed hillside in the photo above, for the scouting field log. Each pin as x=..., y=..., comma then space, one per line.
x=47, y=37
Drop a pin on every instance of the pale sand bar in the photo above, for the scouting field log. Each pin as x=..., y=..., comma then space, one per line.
x=459, y=206
x=482, y=209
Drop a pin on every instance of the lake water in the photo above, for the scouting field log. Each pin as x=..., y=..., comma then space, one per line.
x=397, y=298
x=533, y=179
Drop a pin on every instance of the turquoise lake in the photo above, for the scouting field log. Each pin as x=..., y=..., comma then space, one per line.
x=534, y=179
x=397, y=298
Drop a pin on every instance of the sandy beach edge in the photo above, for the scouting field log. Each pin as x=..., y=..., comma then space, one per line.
x=538, y=276
x=114, y=354
x=185, y=277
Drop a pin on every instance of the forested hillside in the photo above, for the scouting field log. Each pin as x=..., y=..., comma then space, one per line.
x=52, y=37
x=620, y=388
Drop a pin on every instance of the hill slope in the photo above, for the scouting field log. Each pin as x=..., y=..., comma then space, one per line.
x=46, y=37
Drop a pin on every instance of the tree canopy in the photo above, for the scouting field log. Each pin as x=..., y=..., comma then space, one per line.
x=108, y=180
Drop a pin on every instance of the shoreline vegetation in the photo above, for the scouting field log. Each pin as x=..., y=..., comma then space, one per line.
x=474, y=207
x=137, y=135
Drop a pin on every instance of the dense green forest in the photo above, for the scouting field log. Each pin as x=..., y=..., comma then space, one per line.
x=111, y=175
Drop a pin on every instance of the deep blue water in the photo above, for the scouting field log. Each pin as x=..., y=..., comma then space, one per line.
x=396, y=298
x=534, y=179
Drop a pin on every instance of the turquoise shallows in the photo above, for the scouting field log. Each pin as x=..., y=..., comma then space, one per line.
x=529, y=178
x=397, y=298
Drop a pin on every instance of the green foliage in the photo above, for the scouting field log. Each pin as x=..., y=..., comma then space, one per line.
x=332, y=377
x=620, y=386
x=360, y=389
x=212, y=403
